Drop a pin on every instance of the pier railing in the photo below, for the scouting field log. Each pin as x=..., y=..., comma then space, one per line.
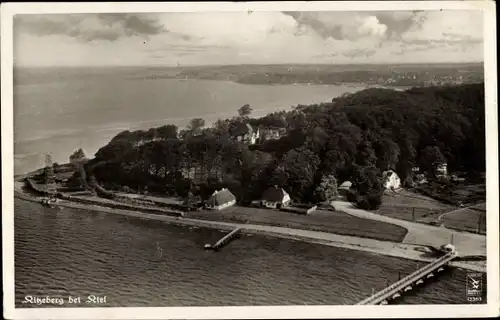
x=408, y=280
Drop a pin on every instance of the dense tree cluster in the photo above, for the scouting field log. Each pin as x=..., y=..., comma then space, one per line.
x=355, y=137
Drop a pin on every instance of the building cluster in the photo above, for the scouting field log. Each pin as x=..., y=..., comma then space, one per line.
x=272, y=198
x=277, y=198
x=421, y=78
x=246, y=133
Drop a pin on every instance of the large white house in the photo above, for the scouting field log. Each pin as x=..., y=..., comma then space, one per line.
x=391, y=180
x=275, y=198
x=221, y=199
x=248, y=134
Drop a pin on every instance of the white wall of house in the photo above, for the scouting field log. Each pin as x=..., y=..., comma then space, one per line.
x=442, y=169
x=286, y=199
x=269, y=204
x=250, y=138
x=274, y=205
x=223, y=206
x=392, y=181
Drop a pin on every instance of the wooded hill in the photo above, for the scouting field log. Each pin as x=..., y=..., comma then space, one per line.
x=355, y=137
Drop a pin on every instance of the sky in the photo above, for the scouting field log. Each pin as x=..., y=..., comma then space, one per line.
x=209, y=38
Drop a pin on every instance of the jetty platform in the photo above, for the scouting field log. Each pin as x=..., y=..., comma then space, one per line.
x=224, y=240
x=406, y=284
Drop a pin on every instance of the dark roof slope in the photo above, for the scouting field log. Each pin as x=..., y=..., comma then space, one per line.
x=241, y=129
x=220, y=197
x=274, y=194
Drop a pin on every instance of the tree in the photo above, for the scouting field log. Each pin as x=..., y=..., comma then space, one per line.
x=368, y=188
x=245, y=110
x=195, y=125
x=279, y=177
x=300, y=165
x=366, y=156
x=326, y=190
x=430, y=158
x=78, y=155
x=167, y=132
x=387, y=152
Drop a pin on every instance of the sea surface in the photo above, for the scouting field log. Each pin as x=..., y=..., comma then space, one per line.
x=134, y=263
x=60, y=110
x=69, y=252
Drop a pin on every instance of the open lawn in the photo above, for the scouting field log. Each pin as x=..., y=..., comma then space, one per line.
x=320, y=220
x=469, y=219
x=461, y=192
x=407, y=205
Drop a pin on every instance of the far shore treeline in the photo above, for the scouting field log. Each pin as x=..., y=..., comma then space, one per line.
x=355, y=137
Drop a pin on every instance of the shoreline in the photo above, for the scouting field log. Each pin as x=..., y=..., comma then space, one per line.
x=399, y=250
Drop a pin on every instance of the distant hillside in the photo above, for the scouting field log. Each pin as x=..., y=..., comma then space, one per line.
x=389, y=75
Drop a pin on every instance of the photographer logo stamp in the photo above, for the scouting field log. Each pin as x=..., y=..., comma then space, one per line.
x=474, y=287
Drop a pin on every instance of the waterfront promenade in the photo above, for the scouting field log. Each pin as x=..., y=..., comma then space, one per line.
x=467, y=244
x=403, y=250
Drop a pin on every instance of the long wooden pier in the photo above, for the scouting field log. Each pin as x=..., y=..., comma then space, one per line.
x=398, y=288
x=224, y=240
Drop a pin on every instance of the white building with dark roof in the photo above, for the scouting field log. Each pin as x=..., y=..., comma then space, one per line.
x=221, y=199
x=247, y=134
x=391, y=180
x=275, y=198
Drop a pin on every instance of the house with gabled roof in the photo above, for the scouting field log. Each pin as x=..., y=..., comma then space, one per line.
x=221, y=199
x=391, y=180
x=246, y=133
x=275, y=198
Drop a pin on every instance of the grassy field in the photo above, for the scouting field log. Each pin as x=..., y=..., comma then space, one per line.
x=465, y=193
x=467, y=219
x=407, y=205
x=320, y=220
x=404, y=204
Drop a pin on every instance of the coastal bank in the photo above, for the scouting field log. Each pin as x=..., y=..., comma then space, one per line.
x=400, y=250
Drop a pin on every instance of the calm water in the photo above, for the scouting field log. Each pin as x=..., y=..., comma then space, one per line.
x=78, y=252
x=60, y=110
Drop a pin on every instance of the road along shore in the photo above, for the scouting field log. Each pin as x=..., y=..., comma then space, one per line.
x=400, y=250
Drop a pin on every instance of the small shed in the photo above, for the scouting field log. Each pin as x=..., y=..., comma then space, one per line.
x=276, y=198
x=221, y=199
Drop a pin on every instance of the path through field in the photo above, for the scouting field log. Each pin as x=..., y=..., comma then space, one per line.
x=467, y=244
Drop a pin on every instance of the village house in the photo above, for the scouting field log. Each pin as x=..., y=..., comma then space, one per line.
x=272, y=133
x=275, y=198
x=391, y=180
x=221, y=199
x=247, y=134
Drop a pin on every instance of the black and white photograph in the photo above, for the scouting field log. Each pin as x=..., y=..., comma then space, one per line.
x=297, y=156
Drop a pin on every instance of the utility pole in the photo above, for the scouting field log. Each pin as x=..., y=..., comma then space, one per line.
x=413, y=213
